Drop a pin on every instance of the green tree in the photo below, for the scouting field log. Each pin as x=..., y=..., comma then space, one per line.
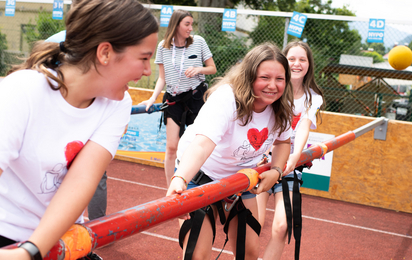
x=227, y=49
x=376, y=46
x=327, y=39
x=3, y=47
x=377, y=57
x=45, y=27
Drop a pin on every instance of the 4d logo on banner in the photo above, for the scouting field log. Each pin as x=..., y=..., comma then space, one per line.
x=376, y=30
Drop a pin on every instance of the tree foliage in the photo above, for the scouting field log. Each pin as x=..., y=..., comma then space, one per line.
x=328, y=39
x=375, y=46
x=3, y=47
x=377, y=57
x=45, y=27
x=227, y=49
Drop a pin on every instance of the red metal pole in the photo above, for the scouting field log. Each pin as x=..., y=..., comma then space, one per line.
x=317, y=150
x=137, y=219
x=124, y=223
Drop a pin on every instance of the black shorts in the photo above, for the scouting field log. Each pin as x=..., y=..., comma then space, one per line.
x=194, y=104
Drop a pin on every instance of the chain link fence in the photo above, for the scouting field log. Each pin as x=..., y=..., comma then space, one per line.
x=355, y=75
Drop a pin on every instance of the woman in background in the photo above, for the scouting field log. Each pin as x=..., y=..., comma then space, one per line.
x=180, y=57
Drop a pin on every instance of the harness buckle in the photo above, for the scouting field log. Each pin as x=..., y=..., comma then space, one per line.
x=166, y=104
x=198, y=177
x=236, y=198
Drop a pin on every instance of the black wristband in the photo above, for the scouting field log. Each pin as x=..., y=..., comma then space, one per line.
x=32, y=250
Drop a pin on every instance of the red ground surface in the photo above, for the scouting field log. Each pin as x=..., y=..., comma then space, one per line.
x=331, y=229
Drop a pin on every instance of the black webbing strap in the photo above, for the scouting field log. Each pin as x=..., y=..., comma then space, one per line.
x=297, y=215
x=244, y=217
x=201, y=178
x=297, y=210
x=194, y=225
x=288, y=206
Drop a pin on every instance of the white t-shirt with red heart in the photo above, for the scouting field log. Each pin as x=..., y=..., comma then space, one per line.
x=301, y=112
x=40, y=135
x=237, y=146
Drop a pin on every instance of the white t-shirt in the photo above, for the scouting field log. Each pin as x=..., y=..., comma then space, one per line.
x=301, y=112
x=195, y=55
x=40, y=133
x=237, y=147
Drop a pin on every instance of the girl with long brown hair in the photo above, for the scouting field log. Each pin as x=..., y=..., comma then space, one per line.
x=245, y=113
x=180, y=57
x=62, y=114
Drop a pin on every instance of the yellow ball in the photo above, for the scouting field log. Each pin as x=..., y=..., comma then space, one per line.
x=400, y=57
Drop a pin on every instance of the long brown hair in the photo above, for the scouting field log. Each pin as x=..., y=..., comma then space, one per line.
x=177, y=17
x=122, y=23
x=242, y=76
x=309, y=79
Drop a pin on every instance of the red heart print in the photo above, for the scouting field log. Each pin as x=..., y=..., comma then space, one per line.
x=257, y=138
x=71, y=150
x=295, y=120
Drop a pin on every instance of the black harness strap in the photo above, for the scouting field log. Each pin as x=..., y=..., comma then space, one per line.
x=194, y=225
x=297, y=209
x=244, y=217
x=297, y=215
x=288, y=206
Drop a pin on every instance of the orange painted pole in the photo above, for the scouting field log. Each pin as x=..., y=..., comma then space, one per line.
x=122, y=224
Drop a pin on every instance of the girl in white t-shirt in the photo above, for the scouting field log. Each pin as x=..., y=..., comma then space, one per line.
x=308, y=99
x=62, y=114
x=247, y=112
x=180, y=57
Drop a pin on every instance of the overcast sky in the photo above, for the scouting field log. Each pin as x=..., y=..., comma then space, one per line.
x=381, y=9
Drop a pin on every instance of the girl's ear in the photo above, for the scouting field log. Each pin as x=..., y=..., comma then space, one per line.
x=104, y=53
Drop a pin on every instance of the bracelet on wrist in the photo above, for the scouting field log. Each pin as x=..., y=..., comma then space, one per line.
x=177, y=176
x=32, y=249
x=279, y=170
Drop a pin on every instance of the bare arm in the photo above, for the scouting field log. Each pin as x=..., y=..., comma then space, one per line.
x=209, y=69
x=160, y=83
x=70, y=200
x=193, y=158
x=280, y=154
x=301, y=137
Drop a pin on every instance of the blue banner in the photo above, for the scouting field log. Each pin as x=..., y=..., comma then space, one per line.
x=296, y=24
x=229, y=20
x=10, y=7
x=58, y=9
x=165, y=14
x=376, y=30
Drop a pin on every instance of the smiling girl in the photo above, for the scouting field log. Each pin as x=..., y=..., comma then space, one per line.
x=246, y=112
x=62, y=113
x=180, y=57
x=308, y=99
